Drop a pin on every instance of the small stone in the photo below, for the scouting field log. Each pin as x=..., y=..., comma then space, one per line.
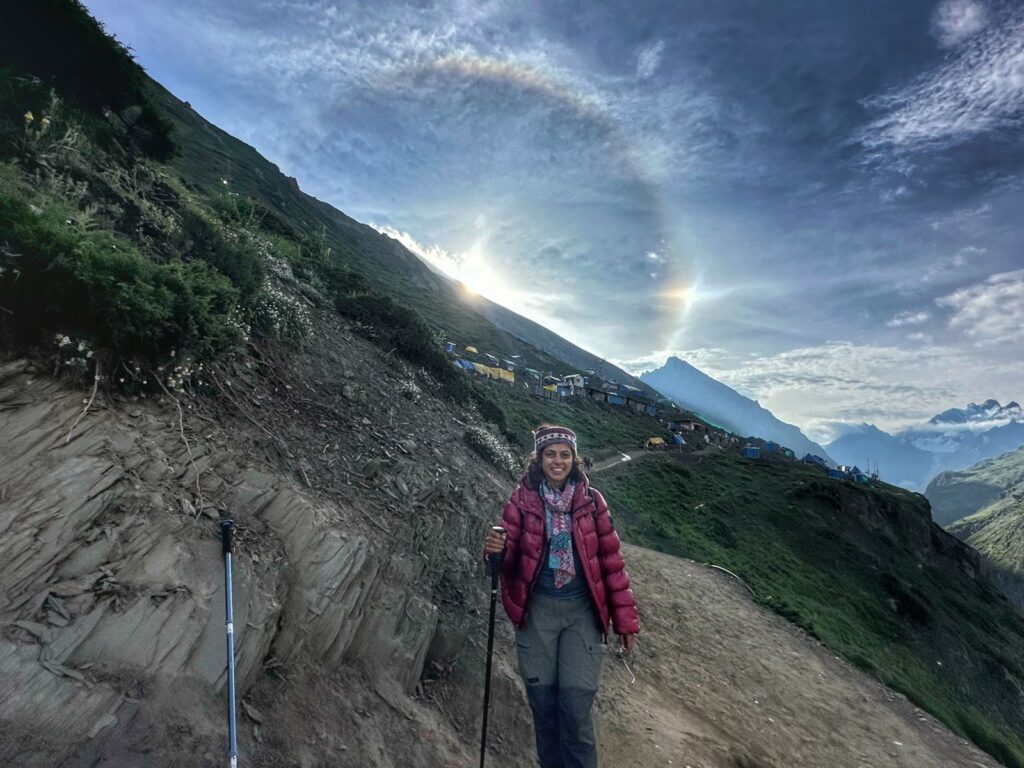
x=135, y=414
x=251, y=711
x=348, y=392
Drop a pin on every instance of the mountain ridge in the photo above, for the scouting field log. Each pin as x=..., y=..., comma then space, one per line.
x=952, y=440
x=693, y=389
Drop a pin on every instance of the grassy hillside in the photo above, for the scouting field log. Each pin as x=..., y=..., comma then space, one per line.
x=997, y=531
x=955, y=495
x=861, y=569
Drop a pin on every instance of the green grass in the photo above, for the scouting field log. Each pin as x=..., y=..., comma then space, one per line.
x=598, y=426
x=841, y=561
x=90, y=284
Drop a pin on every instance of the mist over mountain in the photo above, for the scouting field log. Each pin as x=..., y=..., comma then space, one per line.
x=716, y=402
x=954, y=439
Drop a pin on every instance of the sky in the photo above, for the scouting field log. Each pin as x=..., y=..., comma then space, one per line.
x=819, y=204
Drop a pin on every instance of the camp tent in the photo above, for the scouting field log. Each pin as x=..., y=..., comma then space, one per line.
x=473, y=350
x=655, y=442
x=751, y=452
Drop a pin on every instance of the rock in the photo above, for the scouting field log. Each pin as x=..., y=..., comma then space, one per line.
x=372, y=468
x=41, y=633
x=348, y=392
x=251, y=711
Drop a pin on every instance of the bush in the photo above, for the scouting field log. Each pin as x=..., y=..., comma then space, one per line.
x=92, y=285
x=199, y=238
x=489, y=409
x=276, y=315
x=401, y=329
x=492, y=449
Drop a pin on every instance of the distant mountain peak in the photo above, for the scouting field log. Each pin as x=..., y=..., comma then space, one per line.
x=694, y=390
x=990, y=410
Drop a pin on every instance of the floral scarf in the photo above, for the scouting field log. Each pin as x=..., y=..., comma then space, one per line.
x=558, y=511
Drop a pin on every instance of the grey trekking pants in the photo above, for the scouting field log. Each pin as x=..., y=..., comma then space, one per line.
x=560, y=656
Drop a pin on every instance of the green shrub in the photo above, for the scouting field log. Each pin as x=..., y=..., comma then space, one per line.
x=274, y=314
x=55, y=278
x=342, y=281
x=401, y=329
x=489, y=409
x=200, y=239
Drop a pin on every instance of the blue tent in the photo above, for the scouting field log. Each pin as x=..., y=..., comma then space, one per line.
x=810, y=458
x=678, y=440
x=771, y=447
x=616, y=399
x=836, y=474
x=469, y=366
x=751, y=452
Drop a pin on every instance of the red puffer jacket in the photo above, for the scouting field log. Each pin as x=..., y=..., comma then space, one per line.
x=596, y=542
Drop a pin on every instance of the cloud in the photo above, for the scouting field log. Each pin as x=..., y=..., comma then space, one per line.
x=433, y=255
x=991, y=312
x=817, y=387
x=978, y=90
x=956, y=20
x=908, y=318
x=649, y=59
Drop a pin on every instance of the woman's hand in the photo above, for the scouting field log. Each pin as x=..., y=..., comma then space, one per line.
x=626, y=642
x=494, y=543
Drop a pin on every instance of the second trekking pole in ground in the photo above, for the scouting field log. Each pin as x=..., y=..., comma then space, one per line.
x=494, y=561
x=227, y=537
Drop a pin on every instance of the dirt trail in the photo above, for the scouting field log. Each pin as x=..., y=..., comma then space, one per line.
x=723, y=683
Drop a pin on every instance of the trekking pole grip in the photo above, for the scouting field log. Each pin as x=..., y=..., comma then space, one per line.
x=227, y=535
x=494, y=560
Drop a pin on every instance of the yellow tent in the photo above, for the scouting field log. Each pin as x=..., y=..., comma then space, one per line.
x=655, y=442
x=495, y=373
x=473, y=350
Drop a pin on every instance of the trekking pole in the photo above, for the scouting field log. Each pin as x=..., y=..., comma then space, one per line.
x=494, y=561
x=227, y=535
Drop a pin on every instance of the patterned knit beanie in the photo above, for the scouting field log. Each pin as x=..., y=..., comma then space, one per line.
x=547, y=435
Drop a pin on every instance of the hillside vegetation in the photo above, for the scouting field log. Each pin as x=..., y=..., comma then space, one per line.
x=862, y=569
x=955, y=495
x=997, y=528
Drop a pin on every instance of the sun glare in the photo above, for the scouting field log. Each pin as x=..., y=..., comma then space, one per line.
x=682, y=297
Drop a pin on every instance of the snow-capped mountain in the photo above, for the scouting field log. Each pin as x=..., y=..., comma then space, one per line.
x=695, y=390
x=954, y=439
x=988, y=412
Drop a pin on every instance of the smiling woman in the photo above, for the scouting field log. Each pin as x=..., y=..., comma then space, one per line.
x=564, y=583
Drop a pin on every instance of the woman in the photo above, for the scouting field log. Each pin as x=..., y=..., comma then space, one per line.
x=563, y=582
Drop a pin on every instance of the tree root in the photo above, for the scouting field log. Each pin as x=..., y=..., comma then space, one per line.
x=95, y=386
